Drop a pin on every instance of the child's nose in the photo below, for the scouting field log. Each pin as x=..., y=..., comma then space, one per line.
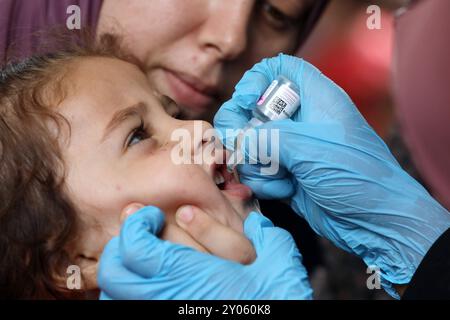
x=201, y=135
x=203, y=147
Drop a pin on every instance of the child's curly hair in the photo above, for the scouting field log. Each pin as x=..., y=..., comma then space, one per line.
x=37, y=219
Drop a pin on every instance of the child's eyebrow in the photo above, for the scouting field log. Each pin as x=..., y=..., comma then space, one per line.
x=137, y=110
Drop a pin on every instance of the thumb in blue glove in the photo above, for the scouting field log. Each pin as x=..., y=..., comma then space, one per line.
x=138, y=265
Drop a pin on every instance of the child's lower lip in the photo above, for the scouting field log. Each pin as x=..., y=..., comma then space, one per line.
x=238, y=190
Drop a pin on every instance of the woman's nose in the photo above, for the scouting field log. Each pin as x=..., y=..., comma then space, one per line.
x=225, y=29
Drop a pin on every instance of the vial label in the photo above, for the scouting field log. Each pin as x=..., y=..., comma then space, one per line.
x=284, y=102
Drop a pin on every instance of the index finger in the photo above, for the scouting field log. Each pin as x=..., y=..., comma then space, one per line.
x=219, y=239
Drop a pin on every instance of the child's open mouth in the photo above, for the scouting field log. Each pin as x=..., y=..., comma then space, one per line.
x=229, y=183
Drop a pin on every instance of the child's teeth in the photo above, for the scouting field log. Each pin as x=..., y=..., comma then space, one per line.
x=218, y=178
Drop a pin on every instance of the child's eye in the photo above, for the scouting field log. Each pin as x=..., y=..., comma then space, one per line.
x=137, y=135
x=275, y=16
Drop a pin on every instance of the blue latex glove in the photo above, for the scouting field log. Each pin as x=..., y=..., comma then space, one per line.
x=138, y=265
x=338, y=173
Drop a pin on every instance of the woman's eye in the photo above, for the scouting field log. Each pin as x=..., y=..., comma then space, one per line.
x=137, y=136
x=275, y=16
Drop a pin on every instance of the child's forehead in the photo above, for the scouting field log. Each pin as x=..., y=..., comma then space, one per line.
x=106, y=70
x=98, y=87
x=107, y=78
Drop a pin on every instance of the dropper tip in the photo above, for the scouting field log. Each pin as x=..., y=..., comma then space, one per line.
x=230, y=168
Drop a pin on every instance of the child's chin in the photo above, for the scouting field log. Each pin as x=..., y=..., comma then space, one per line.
x=242, y=206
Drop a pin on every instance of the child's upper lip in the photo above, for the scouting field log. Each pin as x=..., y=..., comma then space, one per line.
x=231, y=184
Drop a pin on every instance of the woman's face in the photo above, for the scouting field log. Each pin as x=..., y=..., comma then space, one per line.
x=120, y=151
x=196, y=51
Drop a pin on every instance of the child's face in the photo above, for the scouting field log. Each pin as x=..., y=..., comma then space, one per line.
x=110, y=165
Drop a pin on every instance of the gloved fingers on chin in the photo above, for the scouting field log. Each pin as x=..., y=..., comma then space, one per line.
x=139, y=246
x=113, y=276
x=146, y=220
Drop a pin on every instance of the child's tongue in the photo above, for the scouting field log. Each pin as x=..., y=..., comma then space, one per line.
x=233, y=187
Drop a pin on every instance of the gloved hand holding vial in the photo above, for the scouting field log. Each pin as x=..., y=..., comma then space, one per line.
x=337, y=173
x=279, y=102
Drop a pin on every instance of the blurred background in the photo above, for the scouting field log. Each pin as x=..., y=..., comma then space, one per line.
x=357, y=58
x=360, y=61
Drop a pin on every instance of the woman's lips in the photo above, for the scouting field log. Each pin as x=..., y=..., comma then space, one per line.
x=186, y=93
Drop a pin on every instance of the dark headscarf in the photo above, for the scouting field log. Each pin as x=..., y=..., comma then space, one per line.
x=20, y=19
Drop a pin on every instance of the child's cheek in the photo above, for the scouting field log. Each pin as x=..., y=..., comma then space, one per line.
x=166, y=185
x=154, y=179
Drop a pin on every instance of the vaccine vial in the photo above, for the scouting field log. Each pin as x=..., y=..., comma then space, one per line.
x=279, y=101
